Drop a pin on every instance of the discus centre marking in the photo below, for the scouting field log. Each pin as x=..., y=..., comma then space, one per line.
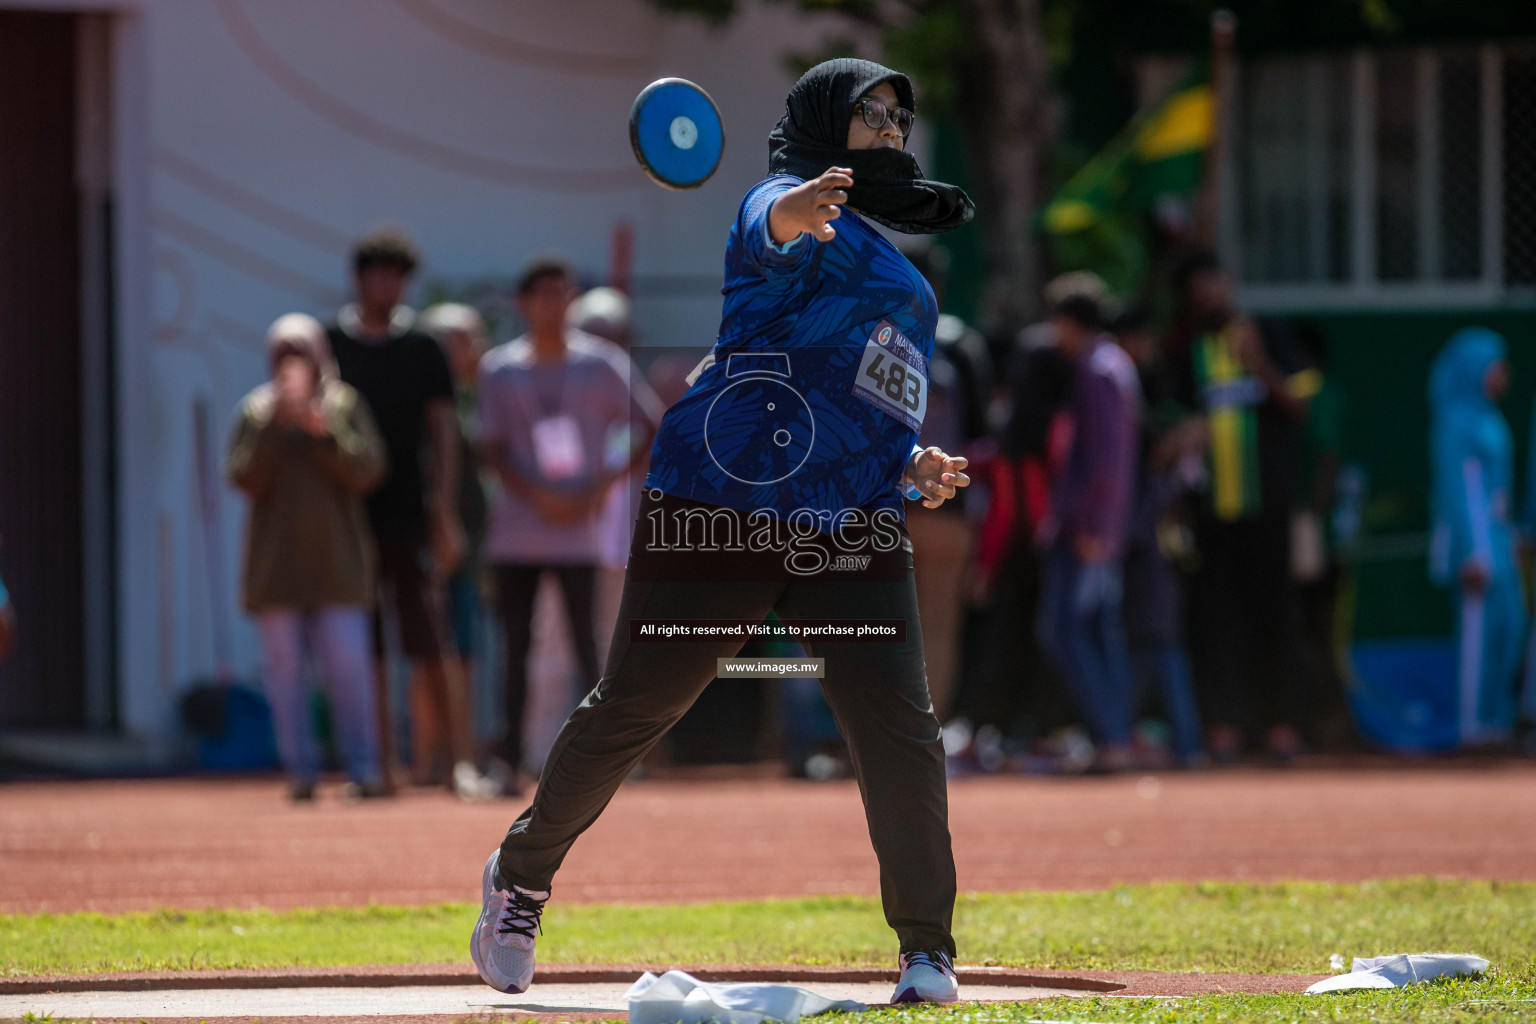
x=684, y=132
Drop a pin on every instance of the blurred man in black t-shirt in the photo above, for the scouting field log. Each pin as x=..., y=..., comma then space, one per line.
x=403, y=375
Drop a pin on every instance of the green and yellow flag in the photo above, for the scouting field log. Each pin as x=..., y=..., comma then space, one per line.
x=1097, y=221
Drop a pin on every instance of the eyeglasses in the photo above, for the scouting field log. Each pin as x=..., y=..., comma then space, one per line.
x=875, y=115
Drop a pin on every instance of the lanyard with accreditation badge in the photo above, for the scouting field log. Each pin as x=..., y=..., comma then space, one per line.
x=557, y=447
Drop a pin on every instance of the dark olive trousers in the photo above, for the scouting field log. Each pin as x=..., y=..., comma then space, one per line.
x=877, y=690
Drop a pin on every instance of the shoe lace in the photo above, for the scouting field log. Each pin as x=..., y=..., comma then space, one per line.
x=934, y=958
x=521, y=913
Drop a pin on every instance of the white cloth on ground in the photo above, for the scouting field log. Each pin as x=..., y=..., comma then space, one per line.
x=1400, y=969
x=679, y=998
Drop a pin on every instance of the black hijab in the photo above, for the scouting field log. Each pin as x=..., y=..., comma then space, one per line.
x=888, y=186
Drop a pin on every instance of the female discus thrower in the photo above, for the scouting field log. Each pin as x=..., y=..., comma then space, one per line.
x=791, y=451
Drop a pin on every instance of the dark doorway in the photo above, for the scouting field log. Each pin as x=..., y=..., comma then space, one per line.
x=42, y=682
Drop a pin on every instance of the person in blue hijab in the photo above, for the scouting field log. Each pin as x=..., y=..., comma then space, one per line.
x=1528, y=531
x=1472, y=460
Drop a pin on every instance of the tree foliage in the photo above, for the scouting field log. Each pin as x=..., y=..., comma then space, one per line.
x=1027, y=127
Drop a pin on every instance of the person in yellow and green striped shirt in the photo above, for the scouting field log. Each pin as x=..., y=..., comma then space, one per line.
x=1243, y=620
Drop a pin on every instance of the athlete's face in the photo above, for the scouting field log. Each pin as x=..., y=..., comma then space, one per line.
x=862, y=136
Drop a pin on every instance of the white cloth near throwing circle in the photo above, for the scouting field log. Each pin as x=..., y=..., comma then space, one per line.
x=679, y=998
x=1400, y=969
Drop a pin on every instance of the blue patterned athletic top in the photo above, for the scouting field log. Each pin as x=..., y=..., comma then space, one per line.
x=819, y=380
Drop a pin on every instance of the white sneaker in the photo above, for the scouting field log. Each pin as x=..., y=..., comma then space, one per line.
x=927, y=976
x=502, y=943
x=470, y=786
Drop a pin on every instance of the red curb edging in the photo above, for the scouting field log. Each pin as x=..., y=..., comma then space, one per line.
x=1122, y=983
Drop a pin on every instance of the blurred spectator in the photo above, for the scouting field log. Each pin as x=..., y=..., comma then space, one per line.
x=1042, y=379
x=305, y=450
x=605, y=313
x=1314, y=555
x=1472, y=465
x=1080, y=623
x=963, y=348
x=1242, y=605
x=404, y=376
x=1005, y=679
x=7, y=621
x=460, y=330
x=960, y=387
x=1168, y=466
x=563, y=415
x=1528, y=531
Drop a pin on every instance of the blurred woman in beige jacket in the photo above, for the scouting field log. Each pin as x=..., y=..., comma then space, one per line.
x=305, y=451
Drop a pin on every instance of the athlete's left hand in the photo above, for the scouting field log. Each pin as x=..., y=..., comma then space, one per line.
x=936, y=475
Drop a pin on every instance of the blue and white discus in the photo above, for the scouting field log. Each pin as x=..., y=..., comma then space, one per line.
x=676, y=133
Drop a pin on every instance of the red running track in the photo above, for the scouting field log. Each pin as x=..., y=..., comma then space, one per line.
x=115, y=846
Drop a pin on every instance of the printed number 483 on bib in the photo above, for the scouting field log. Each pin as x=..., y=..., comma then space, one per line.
x=893, y=376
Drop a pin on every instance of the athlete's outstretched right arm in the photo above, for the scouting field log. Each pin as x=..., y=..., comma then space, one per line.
x=779, y=224
x=809, y=208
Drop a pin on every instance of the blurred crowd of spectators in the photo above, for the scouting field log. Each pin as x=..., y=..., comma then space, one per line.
x=1143, y=573
x=399, y=468
x=1152, y=578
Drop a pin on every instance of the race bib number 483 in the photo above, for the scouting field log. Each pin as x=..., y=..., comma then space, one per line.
x=893, y=376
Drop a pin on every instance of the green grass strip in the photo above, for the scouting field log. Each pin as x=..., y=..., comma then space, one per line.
x=1289, y=927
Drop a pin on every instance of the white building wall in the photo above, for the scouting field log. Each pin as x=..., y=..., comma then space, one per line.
x=254, y=139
